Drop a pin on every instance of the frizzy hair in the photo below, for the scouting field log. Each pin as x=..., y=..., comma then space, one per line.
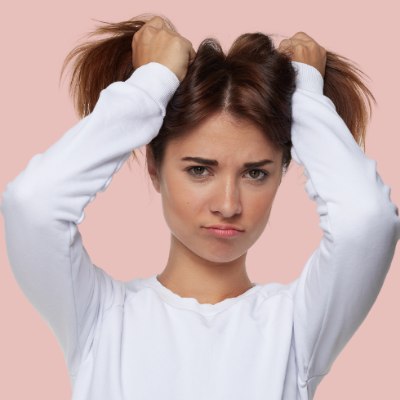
x=252, y=82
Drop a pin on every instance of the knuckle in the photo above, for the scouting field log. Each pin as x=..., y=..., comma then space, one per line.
x=301, y=34
x=156, y=18
x=146, y=28
x=285, y=43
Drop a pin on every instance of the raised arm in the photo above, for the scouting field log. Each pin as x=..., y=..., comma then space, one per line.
x=343, y=276
x=44, y=204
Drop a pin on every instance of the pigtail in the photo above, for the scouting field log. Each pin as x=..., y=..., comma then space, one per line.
x=98, y=63
x=343, y=84
x=257, y=80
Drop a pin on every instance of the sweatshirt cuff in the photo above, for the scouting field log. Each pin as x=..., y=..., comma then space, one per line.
x=308, y=77
x=157, y=80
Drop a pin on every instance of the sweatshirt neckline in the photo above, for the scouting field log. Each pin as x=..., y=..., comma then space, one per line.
x=190, y=303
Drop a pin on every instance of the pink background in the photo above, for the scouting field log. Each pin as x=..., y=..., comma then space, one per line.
x=36, y=37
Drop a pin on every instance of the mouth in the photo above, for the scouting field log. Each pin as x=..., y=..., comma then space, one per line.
x=224, y=233
x=225, y=227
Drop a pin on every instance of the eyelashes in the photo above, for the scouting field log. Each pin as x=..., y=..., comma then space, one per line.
x=261, y=173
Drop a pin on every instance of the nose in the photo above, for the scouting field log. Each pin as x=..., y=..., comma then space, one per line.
x=226, y=198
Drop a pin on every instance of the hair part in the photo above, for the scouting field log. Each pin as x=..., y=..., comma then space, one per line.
x=253, y=82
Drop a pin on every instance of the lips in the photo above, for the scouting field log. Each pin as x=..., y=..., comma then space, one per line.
x=224, y=231
x=226, y=227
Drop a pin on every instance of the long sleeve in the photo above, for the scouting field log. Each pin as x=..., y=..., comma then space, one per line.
x=44, y=204
x=343, y=276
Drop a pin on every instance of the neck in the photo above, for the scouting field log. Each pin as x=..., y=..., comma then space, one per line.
x=190, y=275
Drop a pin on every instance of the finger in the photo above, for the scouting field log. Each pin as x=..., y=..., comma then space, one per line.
x=156, y=22
x=286, y=45
x=302, y=36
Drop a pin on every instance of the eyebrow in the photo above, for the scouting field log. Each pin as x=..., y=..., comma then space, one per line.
x=206, y=161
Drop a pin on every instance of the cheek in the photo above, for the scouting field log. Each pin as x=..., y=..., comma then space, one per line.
x=181, y=202
x=259, y=207
x=261, y=201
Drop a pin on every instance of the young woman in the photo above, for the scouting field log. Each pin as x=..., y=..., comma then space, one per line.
x=220, y=131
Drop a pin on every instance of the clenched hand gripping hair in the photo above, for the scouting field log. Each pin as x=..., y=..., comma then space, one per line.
x=253, y=81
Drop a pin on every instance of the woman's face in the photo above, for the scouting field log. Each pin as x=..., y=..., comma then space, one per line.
x=197, y=194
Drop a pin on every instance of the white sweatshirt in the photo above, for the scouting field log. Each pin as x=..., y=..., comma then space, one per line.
x=138, y=339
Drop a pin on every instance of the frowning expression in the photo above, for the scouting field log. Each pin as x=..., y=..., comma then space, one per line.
x=225, y=172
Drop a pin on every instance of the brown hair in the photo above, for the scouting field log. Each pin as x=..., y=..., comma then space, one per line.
x=253, y=81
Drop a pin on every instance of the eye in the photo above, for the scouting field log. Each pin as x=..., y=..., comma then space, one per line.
x=194, y=169
x=262, y=174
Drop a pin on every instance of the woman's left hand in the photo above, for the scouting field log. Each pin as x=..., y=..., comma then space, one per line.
x=303, y=48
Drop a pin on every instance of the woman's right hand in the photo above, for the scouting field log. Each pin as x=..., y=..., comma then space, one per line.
x=155, y=41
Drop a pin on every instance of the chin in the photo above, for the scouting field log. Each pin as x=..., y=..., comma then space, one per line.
x=214, y=252
x=219, y=256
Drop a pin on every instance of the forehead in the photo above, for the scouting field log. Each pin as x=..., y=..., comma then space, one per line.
x=223, y=137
